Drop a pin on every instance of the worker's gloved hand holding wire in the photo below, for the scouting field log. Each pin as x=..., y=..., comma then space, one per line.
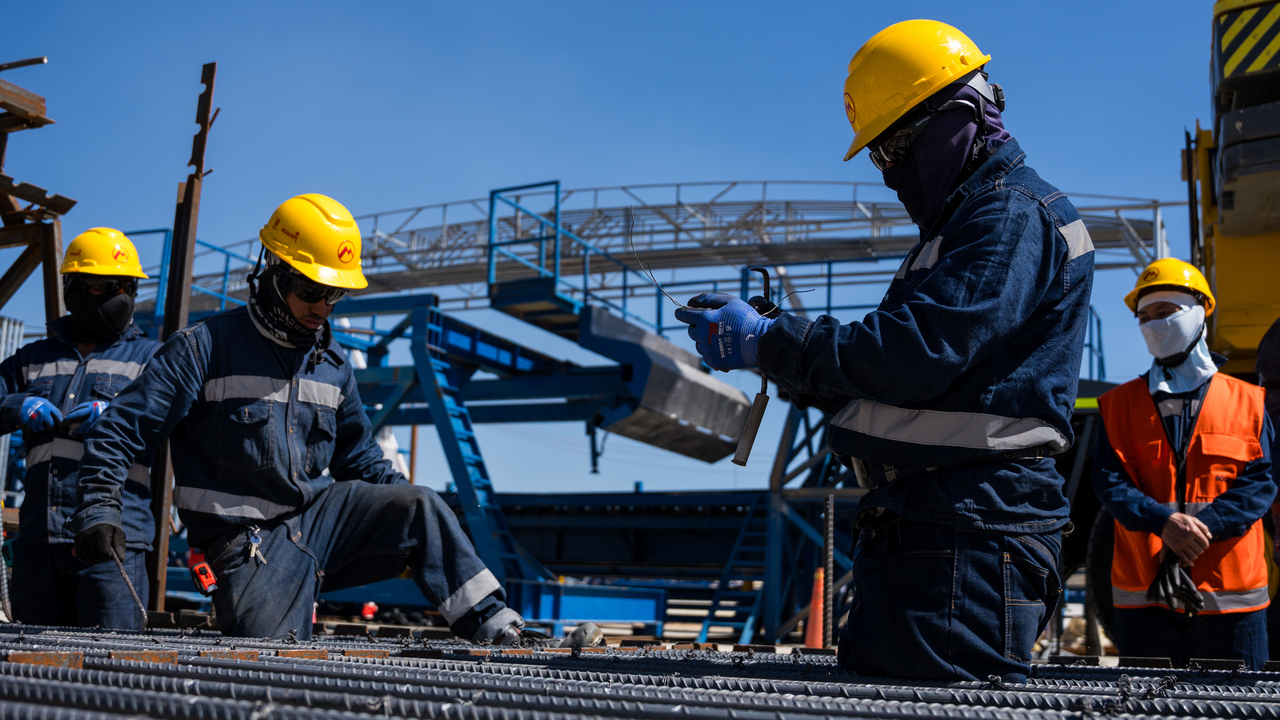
x=95, y=543
x=725, y=329
x=1173, y=586
x=39, y=415
x=83, y=416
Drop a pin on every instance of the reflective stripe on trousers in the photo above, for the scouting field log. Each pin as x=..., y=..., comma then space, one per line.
x=1221, y=601
x=466, y=597
x=69, y=449
x=224, y=504
x=979, y=431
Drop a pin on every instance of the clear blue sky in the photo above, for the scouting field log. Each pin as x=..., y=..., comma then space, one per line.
x=394, y=104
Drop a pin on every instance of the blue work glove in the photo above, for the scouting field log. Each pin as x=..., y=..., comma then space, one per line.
x=39, y=415
x=726, y=330
x=86, y=414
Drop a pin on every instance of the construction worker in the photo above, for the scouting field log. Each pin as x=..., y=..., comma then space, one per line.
x=1267, y=366
x=54, y=390
x=949, y=399
x=277, y=476
x=1183, y=464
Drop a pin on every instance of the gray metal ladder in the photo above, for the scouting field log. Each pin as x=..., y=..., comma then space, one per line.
x=746, y=564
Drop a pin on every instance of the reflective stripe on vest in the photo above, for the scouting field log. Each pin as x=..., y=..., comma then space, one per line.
x=224, y=504
x=310, y=391
x=979, y=431
x=69, y=449
x=1221, y=601
x=1224, y=441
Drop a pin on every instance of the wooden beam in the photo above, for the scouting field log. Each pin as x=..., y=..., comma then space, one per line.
x=51, y=247
x=19, y=271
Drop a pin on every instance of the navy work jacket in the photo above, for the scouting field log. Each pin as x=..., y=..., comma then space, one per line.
x=967, y=372
x=54, y=369
x=256, y=430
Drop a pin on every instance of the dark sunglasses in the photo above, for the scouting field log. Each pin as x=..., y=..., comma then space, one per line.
x=308, y=290
x=896, y=143
x=108, y=285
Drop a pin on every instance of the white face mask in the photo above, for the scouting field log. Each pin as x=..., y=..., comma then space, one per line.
x=1174, y=334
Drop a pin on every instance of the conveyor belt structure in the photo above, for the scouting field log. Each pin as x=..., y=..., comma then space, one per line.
x=73, y=674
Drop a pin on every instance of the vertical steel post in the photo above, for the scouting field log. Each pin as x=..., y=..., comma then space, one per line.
x=493, y=238
x=557, y=244
x=51, y=257
x=413, y=454
x=828, y=568
x=177, y=303
x=773, y=559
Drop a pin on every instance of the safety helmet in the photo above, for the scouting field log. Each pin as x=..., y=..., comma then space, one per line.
x=1171, y=273
x=102, y=251
x=898, y=68
x=317, y=236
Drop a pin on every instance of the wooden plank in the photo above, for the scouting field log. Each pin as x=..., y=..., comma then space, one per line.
x=167, y=657
x=51, y=245
x=10, y=516
x=48, y=658
x=17, y=274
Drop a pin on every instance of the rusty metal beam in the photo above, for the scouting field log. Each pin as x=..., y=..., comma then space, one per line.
x=177, y=303
x=51, y=246
x=19, y=235
x=19, y=271
x=38, y=195
x=27, y=107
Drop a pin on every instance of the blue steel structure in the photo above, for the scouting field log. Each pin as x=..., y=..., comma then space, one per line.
x=762, y=589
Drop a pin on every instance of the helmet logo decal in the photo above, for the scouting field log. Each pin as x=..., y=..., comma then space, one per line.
x=346, y=252
x=291, y=235
x=848, y=107
x=120, y=255
x=74, y=252
x=1150, y=274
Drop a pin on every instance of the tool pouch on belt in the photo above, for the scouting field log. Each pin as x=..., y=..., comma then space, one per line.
x=872, y=475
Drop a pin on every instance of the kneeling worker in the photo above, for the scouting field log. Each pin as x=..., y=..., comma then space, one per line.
x=54, y=390
x=277, y=476
x=1184, y=466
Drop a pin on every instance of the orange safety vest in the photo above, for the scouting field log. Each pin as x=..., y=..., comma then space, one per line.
x=1232, y=573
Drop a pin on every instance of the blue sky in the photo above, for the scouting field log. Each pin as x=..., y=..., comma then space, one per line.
x=393, y=104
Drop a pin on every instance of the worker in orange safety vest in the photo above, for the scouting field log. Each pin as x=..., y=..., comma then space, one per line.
x=1183, y=464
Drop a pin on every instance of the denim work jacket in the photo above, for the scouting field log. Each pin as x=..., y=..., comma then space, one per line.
x=256, y=430
x=54, y=369
x=967, y=372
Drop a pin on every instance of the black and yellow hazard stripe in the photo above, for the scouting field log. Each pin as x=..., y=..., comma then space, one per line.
x=1248, y=40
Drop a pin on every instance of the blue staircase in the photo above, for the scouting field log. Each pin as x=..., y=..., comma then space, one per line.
x=739, y=594
x=489, y=531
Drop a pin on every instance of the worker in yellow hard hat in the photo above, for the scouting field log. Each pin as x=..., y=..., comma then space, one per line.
x=1183, y=464
x=54, y=390
x=276, y=473
x=949, y=400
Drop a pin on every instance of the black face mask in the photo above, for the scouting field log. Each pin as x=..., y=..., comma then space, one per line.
x=271, y=311
x=97, y=317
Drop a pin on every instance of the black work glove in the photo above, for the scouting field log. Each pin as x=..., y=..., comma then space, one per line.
x=1173, y=585
x=95, y=543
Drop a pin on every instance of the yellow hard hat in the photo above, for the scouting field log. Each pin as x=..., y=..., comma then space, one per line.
x=318, y=237
x=900, y=67
x=1171, y=273
x=102, y=251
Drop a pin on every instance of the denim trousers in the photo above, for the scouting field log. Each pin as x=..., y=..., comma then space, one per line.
x=939, y=602
x=1160, y=632
x=354, y=533
x=51, y=587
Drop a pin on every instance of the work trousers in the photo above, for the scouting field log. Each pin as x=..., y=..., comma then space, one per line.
x=354, y=533
x=51, y=587
x=1160, y=632
x=938, y=602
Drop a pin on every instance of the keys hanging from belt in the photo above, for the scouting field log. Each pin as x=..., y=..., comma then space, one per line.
x=255, y=549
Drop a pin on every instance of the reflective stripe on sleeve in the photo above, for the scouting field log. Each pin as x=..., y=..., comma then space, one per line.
x=253, y=387
x=130, y=370
x=319, y=393
x=58, y=367
x=68, y=449
x=1078, y=240
x=1220, y=601
x=466, y=597
x=226, y=504
x=978, y=431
